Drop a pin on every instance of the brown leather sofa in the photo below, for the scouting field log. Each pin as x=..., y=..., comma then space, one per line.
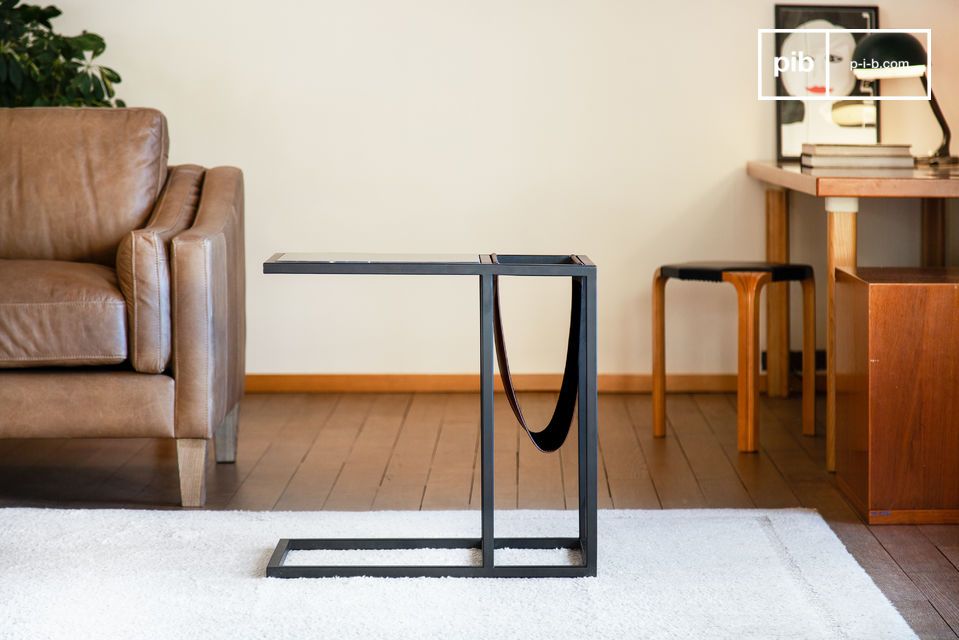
x=121, y=286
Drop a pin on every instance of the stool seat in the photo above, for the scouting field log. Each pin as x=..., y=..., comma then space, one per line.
x=713, y=271
x=748, y=278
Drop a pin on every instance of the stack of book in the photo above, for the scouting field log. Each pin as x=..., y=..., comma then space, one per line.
x=857, y=156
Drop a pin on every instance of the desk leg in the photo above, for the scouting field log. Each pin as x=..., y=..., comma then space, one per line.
x=840, y=252
x=486, y=417
x=587, y=432
x=777, y=295
x=933, y=249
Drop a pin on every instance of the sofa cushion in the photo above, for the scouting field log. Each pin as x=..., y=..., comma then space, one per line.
x=144, y=278
x=144, y=274
x=56, y=313
x=75, y=181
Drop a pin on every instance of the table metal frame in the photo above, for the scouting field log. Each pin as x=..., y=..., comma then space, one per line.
x=486, y=267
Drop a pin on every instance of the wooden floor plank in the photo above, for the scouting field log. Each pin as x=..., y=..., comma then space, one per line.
x=925, y=620
x=630, y=485
x=506, y=436
x=782, y=443
x=765, y=485
x=789, y=413
x=260, y=417
x=25, y=467
x=139, y=481
x=408, y=469
x=89, y=473
x=942, y=589
x=450, y=481
x=540, y=476
x=68, y=471
x=718, y=480
x=569, y=464
x=268, y=480
x=912, y=549
x=313, y=480
x=946, y=539
x=362, y=473
x=673, y=478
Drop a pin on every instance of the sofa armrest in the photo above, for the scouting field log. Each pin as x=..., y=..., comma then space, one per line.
x=209, y=307
x=143, y=270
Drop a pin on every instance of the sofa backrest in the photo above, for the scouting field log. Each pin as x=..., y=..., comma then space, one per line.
x=74, y=181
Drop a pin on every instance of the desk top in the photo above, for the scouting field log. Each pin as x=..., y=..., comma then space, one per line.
x=428, y=264
x=368, y=258
x=924, y=182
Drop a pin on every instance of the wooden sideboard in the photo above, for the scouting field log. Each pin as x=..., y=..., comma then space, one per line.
x=897, y=393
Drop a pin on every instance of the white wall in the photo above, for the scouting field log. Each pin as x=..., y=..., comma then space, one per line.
x=618, y=129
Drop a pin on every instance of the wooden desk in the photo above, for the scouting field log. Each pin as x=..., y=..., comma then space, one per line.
x=841, y=189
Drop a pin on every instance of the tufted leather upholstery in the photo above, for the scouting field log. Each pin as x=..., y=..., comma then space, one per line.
x=85, y=403
x=144, y=273
x=75, y=181
x=55, y=313
x=109, y=257
x=209, y=307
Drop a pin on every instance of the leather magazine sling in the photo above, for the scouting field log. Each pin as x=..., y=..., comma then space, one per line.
x=553, y=435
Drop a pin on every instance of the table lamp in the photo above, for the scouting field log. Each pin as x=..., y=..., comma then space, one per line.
x=890, y=55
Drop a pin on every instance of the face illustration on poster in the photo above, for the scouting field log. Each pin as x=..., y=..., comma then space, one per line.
x=821, y=121
x=848, y=117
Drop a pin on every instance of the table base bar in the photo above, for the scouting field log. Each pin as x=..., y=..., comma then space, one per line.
x=277, y=569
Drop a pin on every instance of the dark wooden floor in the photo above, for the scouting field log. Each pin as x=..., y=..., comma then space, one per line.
x=419, y=451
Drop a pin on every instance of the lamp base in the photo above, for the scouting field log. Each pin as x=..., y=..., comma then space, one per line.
x=937, y=161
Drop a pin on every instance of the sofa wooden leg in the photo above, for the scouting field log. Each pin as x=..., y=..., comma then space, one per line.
x=224, y=437
x=191, y=458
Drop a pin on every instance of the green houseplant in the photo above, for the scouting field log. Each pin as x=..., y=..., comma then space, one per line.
x=39, y=67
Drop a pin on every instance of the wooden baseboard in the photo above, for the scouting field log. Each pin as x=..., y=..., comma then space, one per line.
x=454, y=383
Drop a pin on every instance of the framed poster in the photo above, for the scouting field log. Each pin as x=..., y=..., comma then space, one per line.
x=849, y=119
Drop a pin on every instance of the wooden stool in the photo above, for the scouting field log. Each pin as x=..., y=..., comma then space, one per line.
x=749, y=279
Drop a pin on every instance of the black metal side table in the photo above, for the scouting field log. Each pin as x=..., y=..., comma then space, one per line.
x=577, y=395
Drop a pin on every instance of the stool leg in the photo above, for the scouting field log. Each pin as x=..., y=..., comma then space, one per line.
x=809, y=356
x=659, y=354
x=748, y=284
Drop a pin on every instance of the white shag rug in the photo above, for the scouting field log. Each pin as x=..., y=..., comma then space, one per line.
x=662, y=574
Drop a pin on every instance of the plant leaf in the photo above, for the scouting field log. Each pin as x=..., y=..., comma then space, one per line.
x=15, y=73
x=110, y=74
x=108, y=86
x=97, y=87
x=41, y=67
x=88, y=42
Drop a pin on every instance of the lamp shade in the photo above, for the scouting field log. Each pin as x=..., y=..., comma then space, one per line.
x=888, y=55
